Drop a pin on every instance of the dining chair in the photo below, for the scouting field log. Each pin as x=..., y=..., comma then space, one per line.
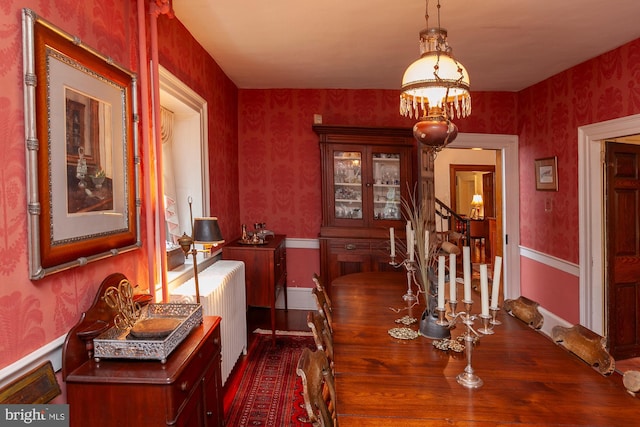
x=322, y=301
x=318, y=388
x=587, y=345
x=319, y=284
x=321, y=334
x=526, y=310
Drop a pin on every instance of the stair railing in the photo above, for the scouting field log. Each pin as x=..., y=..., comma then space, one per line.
x=455, y=222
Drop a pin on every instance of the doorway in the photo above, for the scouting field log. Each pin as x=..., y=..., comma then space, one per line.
x=622, y=211
x=591, y=215
x=507, y=147
x=467, y=181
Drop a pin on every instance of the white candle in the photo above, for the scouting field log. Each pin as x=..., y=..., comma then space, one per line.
x=441, y=281
x=466, y=271
x=452, y=277
x=409, y=234
x=393, y=242
x=484, y=289
x=495, y=290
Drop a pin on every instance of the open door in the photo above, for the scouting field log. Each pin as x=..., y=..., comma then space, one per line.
x=623, y=249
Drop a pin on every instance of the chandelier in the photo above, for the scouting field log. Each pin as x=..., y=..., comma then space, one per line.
x=435, y=89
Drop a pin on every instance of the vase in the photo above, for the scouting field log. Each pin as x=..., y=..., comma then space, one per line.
x=97, y=181
x=428, y=326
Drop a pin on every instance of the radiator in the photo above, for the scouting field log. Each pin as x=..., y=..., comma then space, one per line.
x=222, y=293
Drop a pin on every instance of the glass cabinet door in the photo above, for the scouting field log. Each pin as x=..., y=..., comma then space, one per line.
x=386, y=186
x=347, y=168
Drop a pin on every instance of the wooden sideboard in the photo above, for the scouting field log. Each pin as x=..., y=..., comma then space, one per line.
x=184, y=391
x=265, y=271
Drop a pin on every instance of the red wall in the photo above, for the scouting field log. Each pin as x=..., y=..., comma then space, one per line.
x=33, y=314
x=550, y=113
x=182, y=56
x=280, y=155
x=265, y=157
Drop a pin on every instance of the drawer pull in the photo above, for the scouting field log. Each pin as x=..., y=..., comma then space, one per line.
x=184, y=386
x=350, y=247
x=209, y=413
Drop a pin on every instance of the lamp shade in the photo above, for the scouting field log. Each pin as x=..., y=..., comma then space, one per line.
x=476, y=200
x=206, y=231
x=435, y=81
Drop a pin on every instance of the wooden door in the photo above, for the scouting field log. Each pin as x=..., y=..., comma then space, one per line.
x=623, y=249
x=488, y=195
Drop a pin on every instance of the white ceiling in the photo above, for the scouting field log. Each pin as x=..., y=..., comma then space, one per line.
x=506, y=45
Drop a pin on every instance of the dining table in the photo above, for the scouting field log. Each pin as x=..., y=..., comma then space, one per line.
x=527, y=378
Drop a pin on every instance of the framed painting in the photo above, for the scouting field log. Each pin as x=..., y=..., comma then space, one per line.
x=547, y=174
x=81, y=146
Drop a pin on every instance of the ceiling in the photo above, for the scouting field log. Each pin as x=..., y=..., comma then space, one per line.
x=505, y=45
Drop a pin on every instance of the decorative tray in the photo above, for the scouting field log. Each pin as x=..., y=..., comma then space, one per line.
x=123, y=344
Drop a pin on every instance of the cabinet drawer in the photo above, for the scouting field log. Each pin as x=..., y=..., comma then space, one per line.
x=191, y=376
x=356, y=246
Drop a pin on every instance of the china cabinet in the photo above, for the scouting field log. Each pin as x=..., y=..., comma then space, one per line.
x=365, y=173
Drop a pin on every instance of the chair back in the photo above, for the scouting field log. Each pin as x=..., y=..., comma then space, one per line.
x=318, y=388
x=324, y=306
x=321, y=334
x=320, y=285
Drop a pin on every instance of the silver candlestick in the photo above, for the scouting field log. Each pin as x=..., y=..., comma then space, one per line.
x=467, y=378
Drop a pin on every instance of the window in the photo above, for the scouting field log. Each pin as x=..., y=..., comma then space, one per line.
x=185, y=162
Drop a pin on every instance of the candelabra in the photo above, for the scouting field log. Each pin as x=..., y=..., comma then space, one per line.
x=410, y=266
x=468, y=378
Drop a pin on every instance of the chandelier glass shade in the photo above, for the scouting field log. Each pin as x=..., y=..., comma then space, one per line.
x=435, y=89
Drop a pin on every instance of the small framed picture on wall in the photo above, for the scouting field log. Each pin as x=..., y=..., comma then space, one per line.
x=547, y=174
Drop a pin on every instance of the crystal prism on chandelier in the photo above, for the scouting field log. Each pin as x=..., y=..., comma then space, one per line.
x=435, y=89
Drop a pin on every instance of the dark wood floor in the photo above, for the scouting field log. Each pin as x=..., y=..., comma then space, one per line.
x=286, y=320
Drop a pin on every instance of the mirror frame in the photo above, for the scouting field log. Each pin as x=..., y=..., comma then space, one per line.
x=60, y=236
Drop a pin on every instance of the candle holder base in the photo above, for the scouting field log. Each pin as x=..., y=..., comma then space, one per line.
x=430, y=328
x=469, y=380
x=494, y=312
x=485, y=329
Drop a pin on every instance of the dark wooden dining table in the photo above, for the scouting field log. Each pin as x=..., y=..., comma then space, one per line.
x=528, y=379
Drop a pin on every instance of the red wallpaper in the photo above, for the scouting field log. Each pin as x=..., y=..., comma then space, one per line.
x=550, y=113
x=280, y=155
x=265, y=157
x=36, y=313
x=187, y=60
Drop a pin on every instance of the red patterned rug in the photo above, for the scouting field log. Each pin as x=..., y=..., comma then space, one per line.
x=270, y=392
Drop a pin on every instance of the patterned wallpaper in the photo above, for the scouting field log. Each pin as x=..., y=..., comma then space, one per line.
x=549, y=114
x=180, y=54
x=36, y=313
x=280, y=155
x=264, y=160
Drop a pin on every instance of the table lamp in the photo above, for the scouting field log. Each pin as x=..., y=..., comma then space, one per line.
x=206, y=231
x=476, y=203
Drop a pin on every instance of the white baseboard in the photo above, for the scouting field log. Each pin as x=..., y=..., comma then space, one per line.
x=297, y=299
x=551, y=320
x=51, y=351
